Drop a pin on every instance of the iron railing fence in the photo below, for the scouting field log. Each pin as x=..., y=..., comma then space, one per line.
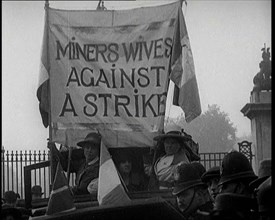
x=12, y=171
x=13, y=162
x=209, y=160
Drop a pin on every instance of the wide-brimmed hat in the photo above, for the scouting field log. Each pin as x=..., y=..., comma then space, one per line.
x=93, y=137
x=263, y=174
x=235, y=166
x=173, y=131
x=187, y=177
x=213, y=172
x=37, y=190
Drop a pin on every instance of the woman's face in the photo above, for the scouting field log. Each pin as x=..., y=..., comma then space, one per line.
x=125, y=167
x=90, y=152
x=171, y=146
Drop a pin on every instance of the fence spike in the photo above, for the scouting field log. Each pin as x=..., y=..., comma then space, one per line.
x=12, y=156
x=44, y=155
x=39, y=154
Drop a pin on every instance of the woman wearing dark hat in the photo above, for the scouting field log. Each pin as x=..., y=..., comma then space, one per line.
x=86, y=167
x=174, y=149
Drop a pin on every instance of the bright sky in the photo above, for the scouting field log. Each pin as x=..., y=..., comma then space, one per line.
x=226, y=39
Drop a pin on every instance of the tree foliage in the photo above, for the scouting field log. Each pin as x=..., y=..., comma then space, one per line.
x=213, y=130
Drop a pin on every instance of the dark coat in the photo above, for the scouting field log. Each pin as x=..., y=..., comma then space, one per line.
x=84, y=175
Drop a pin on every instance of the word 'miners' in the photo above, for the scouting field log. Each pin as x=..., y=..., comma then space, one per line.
x=110, y=53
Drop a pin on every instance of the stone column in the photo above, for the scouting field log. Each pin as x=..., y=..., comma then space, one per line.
x=259, y=112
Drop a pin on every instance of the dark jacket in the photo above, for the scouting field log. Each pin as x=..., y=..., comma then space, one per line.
x=84, y=173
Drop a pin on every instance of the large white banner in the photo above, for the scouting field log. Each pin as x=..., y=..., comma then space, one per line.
x=109, y=71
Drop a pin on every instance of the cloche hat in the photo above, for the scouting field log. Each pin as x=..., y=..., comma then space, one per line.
x=93, y=137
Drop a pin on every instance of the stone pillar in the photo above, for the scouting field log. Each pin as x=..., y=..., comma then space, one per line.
x=259, y=112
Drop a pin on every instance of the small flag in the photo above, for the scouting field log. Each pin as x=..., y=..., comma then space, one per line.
x=186, y=94
x=110, y=189
x=61, y=198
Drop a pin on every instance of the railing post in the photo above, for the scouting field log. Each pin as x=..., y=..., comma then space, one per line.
x=34, y=161
x=12, y=176
x=16, y=168
x=8, y=170
x=30, y=157
x=3, y=169
x=21, y=171
x=27, y=181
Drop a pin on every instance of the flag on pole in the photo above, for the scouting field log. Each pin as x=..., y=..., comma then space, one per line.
x=186, y=94
x=61, y=199
x=110, y=189
x=43, y=83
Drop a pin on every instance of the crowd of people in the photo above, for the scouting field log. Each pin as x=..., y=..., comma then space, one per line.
x=11, y=209
x=230, y=191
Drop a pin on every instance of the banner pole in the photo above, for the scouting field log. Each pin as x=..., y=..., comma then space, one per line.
x=69, y=164
x=52, y=161
x=47, y=5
